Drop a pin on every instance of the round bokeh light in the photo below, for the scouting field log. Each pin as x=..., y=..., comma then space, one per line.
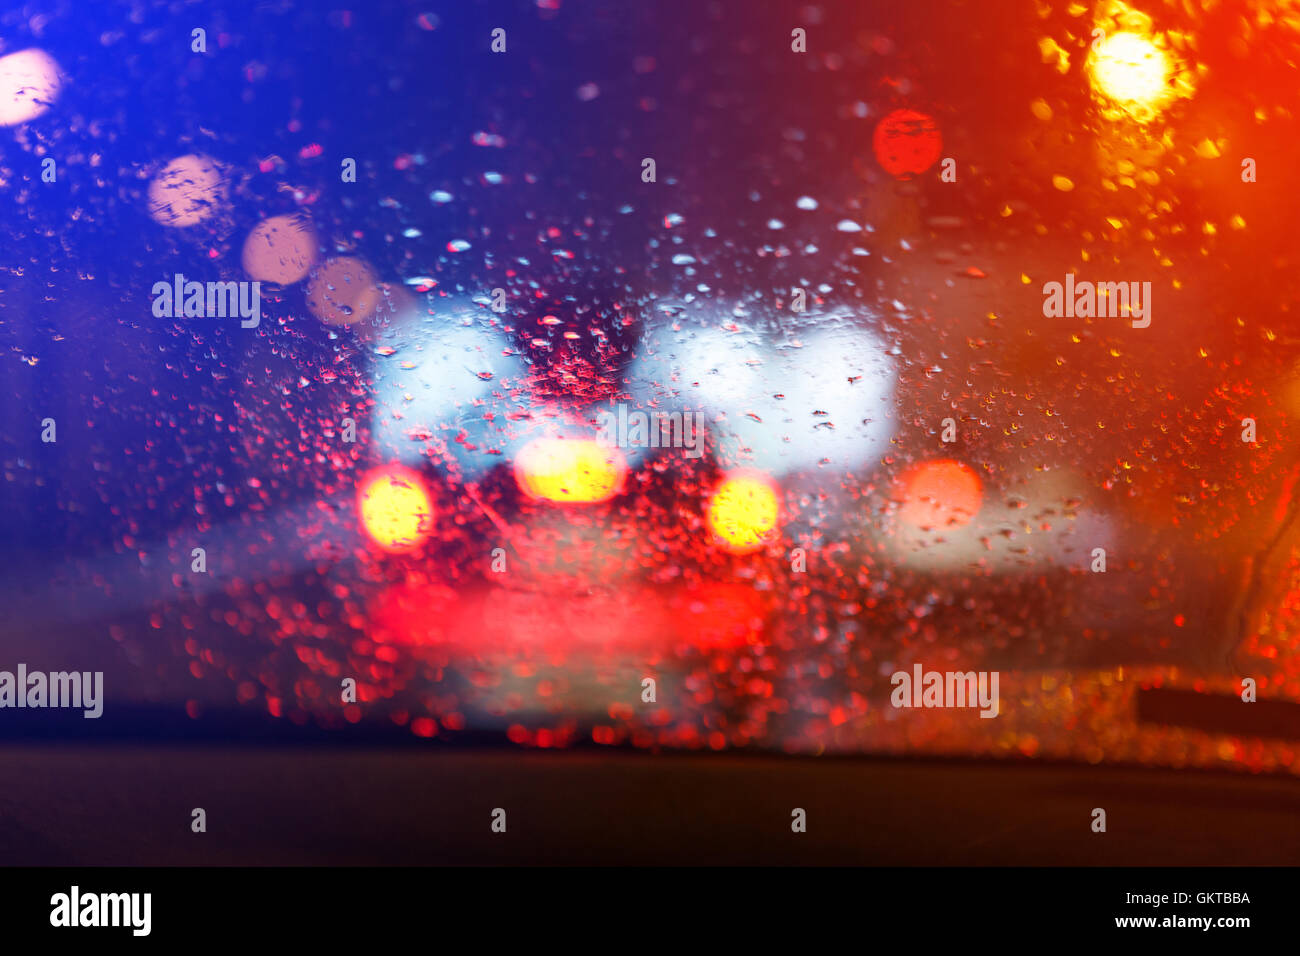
x=395, y=508
x=743, y=512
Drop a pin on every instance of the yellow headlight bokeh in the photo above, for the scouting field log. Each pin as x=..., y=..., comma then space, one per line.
x=743, y=512
x=577, y=470
x=395, y=508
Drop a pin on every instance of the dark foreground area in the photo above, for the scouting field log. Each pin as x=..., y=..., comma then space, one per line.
x=126, y=805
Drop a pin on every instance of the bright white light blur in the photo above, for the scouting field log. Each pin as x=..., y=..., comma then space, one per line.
x=1131, y=69
x=450, y=374
x=822, y=397
x=29, y=84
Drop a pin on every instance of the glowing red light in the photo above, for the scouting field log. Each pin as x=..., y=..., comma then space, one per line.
x=940, y=494
x=907, y=143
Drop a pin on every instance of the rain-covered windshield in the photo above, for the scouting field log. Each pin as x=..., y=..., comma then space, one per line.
x=863, y=378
